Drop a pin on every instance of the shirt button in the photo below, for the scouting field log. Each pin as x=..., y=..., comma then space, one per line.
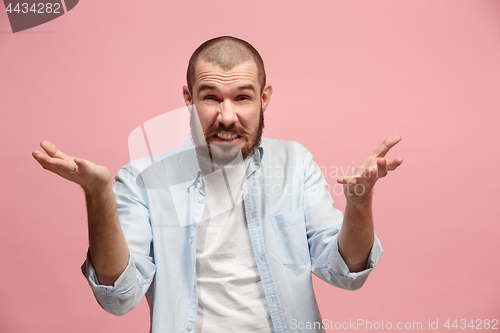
x=194, y=285
x=190, y=241
x=189, y=328
x=189, y=183
x=200, y=199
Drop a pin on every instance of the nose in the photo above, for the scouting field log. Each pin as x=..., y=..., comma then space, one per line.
x=227, y=113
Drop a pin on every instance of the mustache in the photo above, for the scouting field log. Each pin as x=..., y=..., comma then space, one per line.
x=223, y=128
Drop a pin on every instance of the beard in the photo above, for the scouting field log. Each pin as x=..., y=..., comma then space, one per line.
x=223, y=153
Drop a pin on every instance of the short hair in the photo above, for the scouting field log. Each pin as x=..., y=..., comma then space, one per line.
x=225, y=52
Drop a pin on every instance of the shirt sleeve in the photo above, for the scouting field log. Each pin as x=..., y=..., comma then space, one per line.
x=135, y=280
x=323, y=224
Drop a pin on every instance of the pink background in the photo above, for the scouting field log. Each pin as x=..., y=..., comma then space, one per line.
x=346, y=74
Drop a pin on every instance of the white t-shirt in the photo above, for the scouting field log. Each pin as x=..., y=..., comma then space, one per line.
x=230, y=293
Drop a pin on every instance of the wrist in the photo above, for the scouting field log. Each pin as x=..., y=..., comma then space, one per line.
x=98, y=188
x=359, y=200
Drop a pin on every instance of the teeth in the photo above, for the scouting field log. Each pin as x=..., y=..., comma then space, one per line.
x=227, y=137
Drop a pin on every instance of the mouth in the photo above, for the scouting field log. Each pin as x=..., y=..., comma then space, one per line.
x=225, y=137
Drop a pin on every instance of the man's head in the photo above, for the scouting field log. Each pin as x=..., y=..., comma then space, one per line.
x=225, y=52
x=226, y=82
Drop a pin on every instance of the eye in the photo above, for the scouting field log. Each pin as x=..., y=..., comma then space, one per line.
x=243, y=98
x=210, y=98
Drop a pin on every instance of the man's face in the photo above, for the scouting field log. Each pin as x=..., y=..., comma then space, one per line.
x=230, y=107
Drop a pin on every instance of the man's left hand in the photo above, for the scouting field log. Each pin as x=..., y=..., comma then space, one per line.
x=358, y=187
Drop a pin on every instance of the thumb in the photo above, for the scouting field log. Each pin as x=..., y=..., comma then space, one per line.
x=83, y=166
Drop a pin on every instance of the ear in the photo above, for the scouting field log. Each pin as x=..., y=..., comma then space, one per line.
x=188, y=99
x=266, y=96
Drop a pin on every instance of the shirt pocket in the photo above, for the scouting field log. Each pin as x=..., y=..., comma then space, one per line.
x=290, y=232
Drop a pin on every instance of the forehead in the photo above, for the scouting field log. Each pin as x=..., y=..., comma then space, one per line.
x=243, y=74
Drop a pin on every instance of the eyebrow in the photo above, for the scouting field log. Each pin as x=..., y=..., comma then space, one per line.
x=245, y=87
x=210, y=87
x=206, y=87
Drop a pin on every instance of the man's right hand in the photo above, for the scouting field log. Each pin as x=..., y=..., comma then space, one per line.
x=108, y=249
x=90, y=176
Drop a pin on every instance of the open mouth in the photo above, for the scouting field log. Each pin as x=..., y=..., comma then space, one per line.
x=225, y=137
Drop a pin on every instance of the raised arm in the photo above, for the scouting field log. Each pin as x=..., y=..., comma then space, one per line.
x=107, y=246
x=357, y=234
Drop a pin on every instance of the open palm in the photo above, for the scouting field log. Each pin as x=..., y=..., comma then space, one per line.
x=89, y=175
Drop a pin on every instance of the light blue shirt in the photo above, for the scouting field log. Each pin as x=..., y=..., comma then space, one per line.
x=291, y=220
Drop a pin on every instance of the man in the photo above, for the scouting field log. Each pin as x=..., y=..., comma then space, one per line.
x=168, y=232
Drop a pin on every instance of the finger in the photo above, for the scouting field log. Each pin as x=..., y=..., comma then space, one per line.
x=381, y=167
x=387, y=144
x=394, y=163
x=41, y=157
x=52, y=150
x=55, y=165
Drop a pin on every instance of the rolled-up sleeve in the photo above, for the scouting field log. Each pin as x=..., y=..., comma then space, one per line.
x=127, y=290
x=339, y=271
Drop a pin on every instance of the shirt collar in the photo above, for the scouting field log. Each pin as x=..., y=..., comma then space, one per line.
x=256, y=160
